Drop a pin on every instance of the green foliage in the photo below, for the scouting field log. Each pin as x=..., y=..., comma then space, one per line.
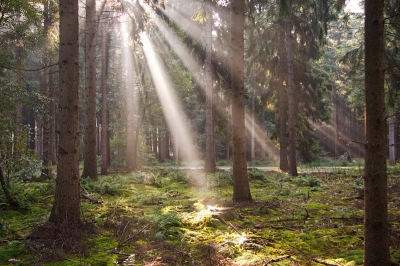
x=103, y=186
x=306, y=181
x=256, y=174
x=356, y=256
x=168, y=226
x=224, y=178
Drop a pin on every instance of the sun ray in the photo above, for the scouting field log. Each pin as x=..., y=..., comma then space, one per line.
x=172, y=108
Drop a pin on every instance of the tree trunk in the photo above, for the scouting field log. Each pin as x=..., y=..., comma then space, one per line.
x=209, y=165
x=291, y=102
x=282, y=97
x=392, y=140
x=66, y=206
x=130, y=116
x=11, y=201
x=47, y=148
x=376, y=250
x=253, y=133
x=241, y=187
x=90, y=157
x=104, y=127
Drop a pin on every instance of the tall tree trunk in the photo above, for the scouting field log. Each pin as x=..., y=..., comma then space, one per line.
x=104, y=127
x=39, y=135
x=291, y=102
x=209, y=165
x=176, y=149
x=18, y=137
x=90, y=157
x=253, y=132
x=130, y=107
x=264, y=138
x=241, y=187
x=53, y=121
x=47, y=148
x=392, y=140
x=283, y=106
x=376, y=225
x=66, y=206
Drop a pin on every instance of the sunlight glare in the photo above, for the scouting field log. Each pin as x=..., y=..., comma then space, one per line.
x=172, y=109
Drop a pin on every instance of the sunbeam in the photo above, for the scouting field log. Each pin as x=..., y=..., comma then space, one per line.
x=260, y=137
x=172, y=109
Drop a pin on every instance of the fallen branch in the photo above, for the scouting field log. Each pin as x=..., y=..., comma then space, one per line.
x=325, y=263
x=92, y=200
x=277, y=260
x=226, y=223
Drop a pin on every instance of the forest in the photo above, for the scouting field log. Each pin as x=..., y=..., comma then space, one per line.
x=200, y=132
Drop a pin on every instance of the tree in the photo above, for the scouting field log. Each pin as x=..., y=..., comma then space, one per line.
x=283, y=105
x=48, y=133
x=90, y=159
x=291, y=101
x=376, y=225
x=104, y=124
x=209, y=166
x=66, y=205
x=241, y=187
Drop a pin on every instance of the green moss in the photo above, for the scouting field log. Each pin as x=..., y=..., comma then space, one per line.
x=356, y=256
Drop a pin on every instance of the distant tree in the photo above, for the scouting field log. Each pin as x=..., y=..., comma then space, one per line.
x=209, y=165
x=376, y=225
x=282, y=103
x=241, y=187
x=48, y=133
x=66, y=205
x=90, y=158
x=104, y=123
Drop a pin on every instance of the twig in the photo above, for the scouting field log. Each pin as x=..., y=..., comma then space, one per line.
x=129, y=238
x=277, y=259
x=227, y=223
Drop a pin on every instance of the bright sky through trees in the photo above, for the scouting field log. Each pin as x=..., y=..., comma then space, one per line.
x=353, y=6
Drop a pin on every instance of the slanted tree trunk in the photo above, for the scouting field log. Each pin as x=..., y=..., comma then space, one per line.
x=376, y=225
x=104, y=127
x=291, y=102
x=241, y=187
x=90, y=153
x=66, y=205
x=282, y=97
x=209, y=165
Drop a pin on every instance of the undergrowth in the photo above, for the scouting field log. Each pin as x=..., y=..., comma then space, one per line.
x=165, y=216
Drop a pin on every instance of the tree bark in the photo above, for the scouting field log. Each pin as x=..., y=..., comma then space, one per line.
x=241, y=187
x=253, y=133
x=66, y=206
x=376, y=226
x=291, y=102
x=392, y=140
x=104, y=123
x=47, y=148
x=209, y=165
x=90, y=157
x=282, y=97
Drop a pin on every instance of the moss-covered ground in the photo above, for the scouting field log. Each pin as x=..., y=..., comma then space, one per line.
x=173, y=217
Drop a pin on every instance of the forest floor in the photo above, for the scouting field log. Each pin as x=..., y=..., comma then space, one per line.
x=168, y=216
